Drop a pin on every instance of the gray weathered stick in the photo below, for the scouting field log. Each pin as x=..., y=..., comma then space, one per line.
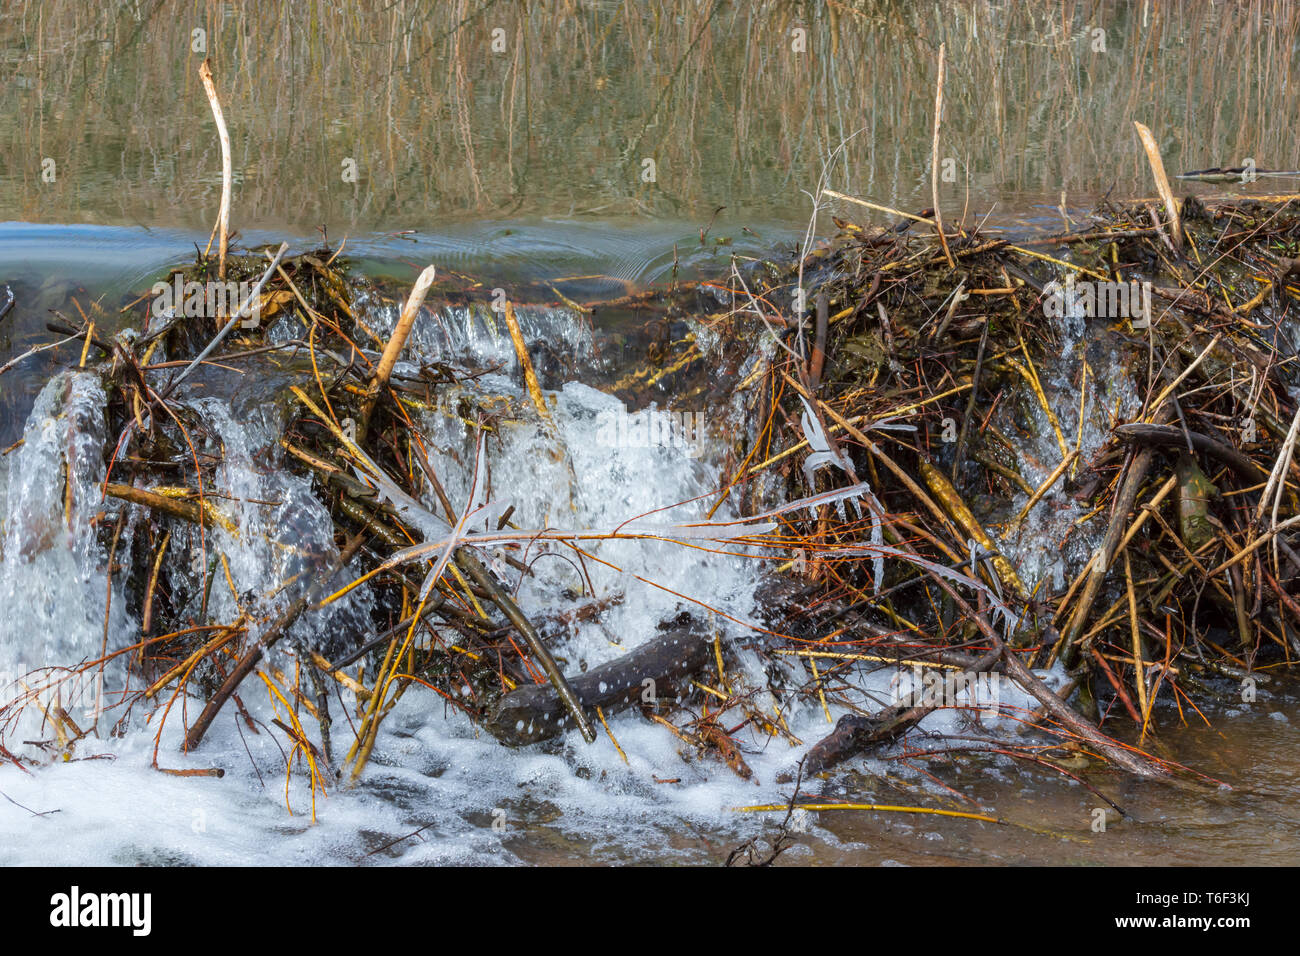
x=239, y=314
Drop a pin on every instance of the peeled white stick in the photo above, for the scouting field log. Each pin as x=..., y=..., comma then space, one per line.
x=934, y=160
x=404, y=324
x=223, y=218
x=395, y=344
x=1162, y=183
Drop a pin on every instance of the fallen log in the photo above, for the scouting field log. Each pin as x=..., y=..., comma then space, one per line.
x=535, y=712
x=855, y=733
x=1167, y=436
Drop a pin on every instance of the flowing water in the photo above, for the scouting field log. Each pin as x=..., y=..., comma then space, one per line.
x=462, y=148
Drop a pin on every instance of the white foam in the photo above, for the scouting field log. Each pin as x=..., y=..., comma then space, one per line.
x=431, y=767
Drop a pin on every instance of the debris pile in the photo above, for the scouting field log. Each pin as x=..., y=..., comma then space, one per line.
x=1064, y=463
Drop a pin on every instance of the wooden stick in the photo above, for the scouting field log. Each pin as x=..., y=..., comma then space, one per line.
x=404, y=324
x=1162, y=183
x=942, y=489
x=176, y=507
x=1169, y=437
x=1010, y=474
x=818, y=362
x=396, y=342
x=934, y=161
x=871, y=205
x=146, y=621
x=536, y=712
x=1145, y=512
x=1139, y=677
x=530, y=376
x=223, y=218
x=1257, y=543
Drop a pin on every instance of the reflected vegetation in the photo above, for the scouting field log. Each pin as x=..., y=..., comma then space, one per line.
x=473, y=109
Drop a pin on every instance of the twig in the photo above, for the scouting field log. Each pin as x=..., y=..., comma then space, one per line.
x=530, y=376
x=1162, y=183
x=223, y=218
x=934, y=161
x=396, y=342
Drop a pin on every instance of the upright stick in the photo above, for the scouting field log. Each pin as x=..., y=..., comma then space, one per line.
x=223, y=219
x=530, y=376
x=396, y=342
x=934, y=160
x=1162, y=183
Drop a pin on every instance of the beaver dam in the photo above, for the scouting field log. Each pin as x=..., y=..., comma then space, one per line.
x=795, y=535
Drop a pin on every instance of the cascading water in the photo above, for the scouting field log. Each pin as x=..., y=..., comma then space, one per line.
x=432, y=769
x=1108, y=394
x=52, y=596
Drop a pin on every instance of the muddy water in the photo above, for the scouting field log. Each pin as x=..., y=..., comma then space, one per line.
x=1252, y=818
x=530, y=162
x=1256, y=822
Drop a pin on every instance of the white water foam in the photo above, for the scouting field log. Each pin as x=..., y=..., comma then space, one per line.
x=432, y=770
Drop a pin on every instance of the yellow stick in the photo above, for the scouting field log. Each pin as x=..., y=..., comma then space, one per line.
x=1140, y=679
x=781, y=807
x=821, y=691
x=1155, y=406
x=90, y=330
x=1057, y=262
x=946, y=493
x=612, y=739
x=530, y=376
x=844, y=656
x=1042, y=398
x=362, y=692
x=1043, y=489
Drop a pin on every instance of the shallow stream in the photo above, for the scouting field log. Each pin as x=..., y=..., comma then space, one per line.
x=530, y=162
